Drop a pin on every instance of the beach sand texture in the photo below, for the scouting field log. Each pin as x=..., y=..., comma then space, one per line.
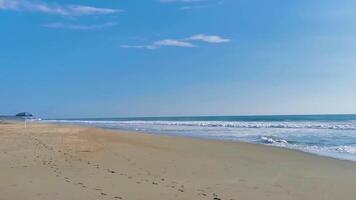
x=65, y=162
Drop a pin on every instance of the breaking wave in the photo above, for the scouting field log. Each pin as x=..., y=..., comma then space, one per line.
x=349, y=125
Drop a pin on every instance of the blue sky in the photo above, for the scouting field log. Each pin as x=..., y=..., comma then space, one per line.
x=75, y=58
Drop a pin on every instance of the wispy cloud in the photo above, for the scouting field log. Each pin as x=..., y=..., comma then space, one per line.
x=161, y=43
x=186, y=5
x=174, y=43
x=59, y=25
x=184, y=43
x=209, y=38
x=53, y=8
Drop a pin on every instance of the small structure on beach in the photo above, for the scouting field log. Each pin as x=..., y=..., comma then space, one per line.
x=24, y=114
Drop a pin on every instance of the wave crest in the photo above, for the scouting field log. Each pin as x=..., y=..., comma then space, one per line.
x=349, y=125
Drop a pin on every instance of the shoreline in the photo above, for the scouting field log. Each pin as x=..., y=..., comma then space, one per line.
x=218, y=140
x=203, y=138
x=75, y=162
x=185, y=137
x=229, y=141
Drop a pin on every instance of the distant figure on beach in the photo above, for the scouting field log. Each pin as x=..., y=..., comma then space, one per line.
x=24, y=114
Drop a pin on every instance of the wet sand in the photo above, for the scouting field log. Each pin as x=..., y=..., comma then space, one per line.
x=65, y=162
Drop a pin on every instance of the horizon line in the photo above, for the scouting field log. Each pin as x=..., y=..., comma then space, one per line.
x=187, y=116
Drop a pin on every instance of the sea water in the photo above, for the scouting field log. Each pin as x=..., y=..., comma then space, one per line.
x=326, y=135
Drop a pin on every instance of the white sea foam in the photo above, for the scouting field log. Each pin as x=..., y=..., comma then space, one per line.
x=349, y=125
x=273, y=140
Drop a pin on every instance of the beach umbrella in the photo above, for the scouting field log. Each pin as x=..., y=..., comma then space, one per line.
x=25, y=116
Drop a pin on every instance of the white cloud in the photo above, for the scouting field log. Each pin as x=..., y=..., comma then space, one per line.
x=160, y=43
x=180, y=43
x=176, y=43
x=79, y=26
x=56, y=9
x=193, y=4
x=209, y=38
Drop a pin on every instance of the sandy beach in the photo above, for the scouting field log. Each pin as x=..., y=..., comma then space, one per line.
x=66, y=162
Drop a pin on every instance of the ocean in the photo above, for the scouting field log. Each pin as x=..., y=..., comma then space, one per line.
x=325, y=135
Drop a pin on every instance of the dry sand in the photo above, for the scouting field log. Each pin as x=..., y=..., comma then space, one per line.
x=63, y=162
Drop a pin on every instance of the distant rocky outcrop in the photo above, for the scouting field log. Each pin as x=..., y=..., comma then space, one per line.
x=24, y=114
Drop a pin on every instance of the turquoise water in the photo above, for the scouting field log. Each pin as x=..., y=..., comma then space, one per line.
x=327, y=135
